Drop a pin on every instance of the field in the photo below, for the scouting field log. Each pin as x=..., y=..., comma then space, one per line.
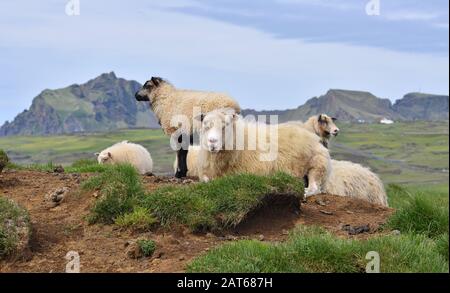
x=122, y=222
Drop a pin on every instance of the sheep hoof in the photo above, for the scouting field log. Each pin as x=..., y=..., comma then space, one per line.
x=311, y=191
x=180, y=174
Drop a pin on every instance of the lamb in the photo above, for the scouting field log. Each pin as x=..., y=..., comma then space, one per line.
x=167, y=102
x=127, y=153
x=299, y=152
x=353, y=180
x=322, y=125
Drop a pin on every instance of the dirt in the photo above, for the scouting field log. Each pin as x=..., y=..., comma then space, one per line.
x=60, y=228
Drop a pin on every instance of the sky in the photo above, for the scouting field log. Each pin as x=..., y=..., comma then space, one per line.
x=268, y=54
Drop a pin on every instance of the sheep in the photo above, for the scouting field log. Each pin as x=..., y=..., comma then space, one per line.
x=130, y=153
x=353, y=180
x=346, y=178
x=299, y=152
x=191, y=161
x=167, y=102
x=322, y=125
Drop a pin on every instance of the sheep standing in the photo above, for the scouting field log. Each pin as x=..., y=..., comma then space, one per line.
x=299, y=152
x=127, y=153
x=167, y=102
x=353, y=180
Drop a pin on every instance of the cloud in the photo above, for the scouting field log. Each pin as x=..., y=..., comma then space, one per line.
x=411, y=16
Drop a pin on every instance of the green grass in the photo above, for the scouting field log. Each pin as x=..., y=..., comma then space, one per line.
x=147, y=247
x=140, y=219
x=215, y=205
x=419, y=212
x=66, y=149
x=312, y=249
x=12, y=219
x=218, y=204
x=4, y=160
x=120, y=187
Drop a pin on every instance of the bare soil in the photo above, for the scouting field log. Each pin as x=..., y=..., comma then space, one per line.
x=58, y=229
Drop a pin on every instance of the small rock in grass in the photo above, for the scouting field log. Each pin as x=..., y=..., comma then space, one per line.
x=396, y=232
x=59, y=169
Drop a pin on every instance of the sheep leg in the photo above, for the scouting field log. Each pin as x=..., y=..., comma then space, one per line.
x=182, y=156
x=182, y=164
x=316, y=175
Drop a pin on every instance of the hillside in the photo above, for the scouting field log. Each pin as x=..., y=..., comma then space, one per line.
x=102, y=104
x=419, y=106
x=352, y=106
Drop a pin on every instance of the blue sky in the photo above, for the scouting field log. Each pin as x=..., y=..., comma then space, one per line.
x=268, y=54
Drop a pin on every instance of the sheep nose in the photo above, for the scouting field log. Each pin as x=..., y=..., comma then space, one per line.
x=212, y=140
x=336, y=131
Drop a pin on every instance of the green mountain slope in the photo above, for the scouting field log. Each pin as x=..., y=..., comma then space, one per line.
x=102, y=104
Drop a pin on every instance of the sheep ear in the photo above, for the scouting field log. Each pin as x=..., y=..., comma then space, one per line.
x=156, y=80
x=97, y=154
x=200, y=117
x=109, y=155
x=334, y=119
x=320, y=119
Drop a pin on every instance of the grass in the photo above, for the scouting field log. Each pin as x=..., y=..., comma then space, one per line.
x=422, y=217
x=140, y=219
x=219, y=204
x=13, y=220
x=147, y=247
x=4, y=160
x=120, y=187
x=311, y=249
x=216, y=205
x=419, y=212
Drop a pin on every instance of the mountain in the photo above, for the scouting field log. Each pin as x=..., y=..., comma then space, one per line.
x=419, y=106
x=343, y=104
x=102, y=104
x=358, y=105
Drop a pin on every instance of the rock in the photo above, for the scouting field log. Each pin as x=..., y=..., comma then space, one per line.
x=133, y=250
x=356, y=230
x=320, y=202
x=326, y=212
x=59, y=169
x=181, y=258
x=261, y=237
x=57, y=196
x=396, y=232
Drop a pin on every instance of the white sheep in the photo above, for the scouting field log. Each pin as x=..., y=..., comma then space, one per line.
x=299, y=152
x=127, y=153
x=168, y=102
x=353, y=180
x=346, y=178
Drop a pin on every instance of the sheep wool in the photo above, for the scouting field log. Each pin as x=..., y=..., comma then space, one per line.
x=299, y=153
x=128, y=153
x=353, y=180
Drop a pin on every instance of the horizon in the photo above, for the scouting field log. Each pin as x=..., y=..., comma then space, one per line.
x=245, y=49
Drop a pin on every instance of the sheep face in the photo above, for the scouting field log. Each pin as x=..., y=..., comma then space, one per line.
x=144, y=94
x=217, y=130
x=327, y=127
x=105, y=158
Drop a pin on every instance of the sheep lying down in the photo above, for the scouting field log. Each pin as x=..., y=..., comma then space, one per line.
x=127, y=153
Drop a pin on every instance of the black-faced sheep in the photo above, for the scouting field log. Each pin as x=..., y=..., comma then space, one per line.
x=168, y=103
x=127, y=153
x=298, y=151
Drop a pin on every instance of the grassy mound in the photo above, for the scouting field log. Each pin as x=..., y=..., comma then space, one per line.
x=219, y=204
x=312, y=249
x=4, y=160
x=14, y=228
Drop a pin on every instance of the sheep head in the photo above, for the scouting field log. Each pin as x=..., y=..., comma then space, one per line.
x=327, y=127
x=217, y=129
x=149, y=86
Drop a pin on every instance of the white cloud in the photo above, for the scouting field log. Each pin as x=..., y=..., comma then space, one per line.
x=411, y=15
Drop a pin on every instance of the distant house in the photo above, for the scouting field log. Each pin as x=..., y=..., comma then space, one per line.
x=386, y=121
